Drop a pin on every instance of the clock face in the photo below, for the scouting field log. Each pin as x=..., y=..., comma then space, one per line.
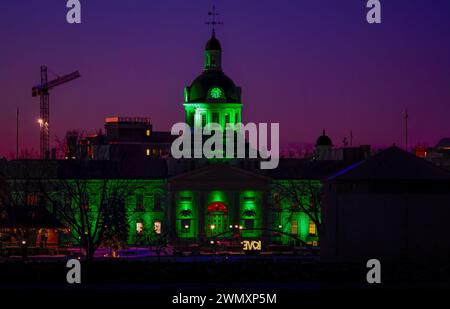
x=216, y=93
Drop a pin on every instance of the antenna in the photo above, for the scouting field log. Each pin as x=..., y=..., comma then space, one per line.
x=405, y=117
x=351, y=138
x=213, y=22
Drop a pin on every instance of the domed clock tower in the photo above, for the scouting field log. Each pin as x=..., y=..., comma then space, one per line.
x=212, y=97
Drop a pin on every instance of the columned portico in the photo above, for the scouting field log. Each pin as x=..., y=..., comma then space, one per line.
x=213, y=201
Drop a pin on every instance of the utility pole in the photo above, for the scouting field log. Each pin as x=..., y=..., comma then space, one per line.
x=351, y=138
x=406, y=116
x=17, y=134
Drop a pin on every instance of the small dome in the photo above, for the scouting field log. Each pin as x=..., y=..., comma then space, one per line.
x=213, y=44
x=324, y=140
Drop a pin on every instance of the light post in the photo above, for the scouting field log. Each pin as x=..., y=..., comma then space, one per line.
x=212, y=242
x=24, y=250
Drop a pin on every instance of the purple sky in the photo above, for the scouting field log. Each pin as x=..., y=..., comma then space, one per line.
x=310, y=65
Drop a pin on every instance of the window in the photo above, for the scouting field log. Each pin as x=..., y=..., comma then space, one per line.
x=276, y=200
x=157, y=202
x=203, y=120
x=227, y=118
x=157, y=227
x=215, y=117
x=294, y=227
x=249, y=223
x=312, y=228
x=147, y=132
x=185, y=225
x=147, y=152
x=139, y=228
x=32, y=199
x=140, y=202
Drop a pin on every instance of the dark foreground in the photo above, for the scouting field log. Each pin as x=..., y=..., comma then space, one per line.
x=121, y=283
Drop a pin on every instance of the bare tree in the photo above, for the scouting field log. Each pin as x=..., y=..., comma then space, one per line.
x=158, y=242
x=116, y=222
x=304, y=196
x=67, y=147
x=94, y=210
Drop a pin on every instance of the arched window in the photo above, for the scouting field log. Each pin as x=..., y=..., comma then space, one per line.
x=217, y=207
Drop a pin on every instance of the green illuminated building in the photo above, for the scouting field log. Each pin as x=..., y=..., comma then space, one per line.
x=212, y=97
x=199, y=201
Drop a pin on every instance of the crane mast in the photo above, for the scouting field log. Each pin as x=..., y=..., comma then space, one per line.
x=42, y=91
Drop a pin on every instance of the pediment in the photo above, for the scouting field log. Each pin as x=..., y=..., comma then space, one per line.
x=220, y=175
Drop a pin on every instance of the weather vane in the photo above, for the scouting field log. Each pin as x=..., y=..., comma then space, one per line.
x=213, y=22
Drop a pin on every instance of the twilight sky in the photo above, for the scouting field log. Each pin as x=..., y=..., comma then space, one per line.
x=310, y=65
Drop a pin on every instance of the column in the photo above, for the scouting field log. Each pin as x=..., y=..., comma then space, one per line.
x=200, y=197
x=171, y=216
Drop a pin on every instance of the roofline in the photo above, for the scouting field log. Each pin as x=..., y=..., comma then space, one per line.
x=201, y=169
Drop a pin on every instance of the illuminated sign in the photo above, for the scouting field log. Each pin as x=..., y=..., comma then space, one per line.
x=251, y=245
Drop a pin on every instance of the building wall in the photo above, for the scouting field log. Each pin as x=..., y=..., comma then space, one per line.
x=249, y=212
x=147, y=205
x=389, y=227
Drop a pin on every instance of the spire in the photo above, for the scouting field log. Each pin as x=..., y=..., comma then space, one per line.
x=213, y=22
x=213, y=49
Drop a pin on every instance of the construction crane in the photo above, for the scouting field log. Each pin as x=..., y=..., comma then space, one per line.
x=42, y=90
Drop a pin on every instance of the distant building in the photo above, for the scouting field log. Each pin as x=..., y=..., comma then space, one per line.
x=324, y=151
x=324, y=148
x=440, y=154
x=130, y=138
x=393, y=207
